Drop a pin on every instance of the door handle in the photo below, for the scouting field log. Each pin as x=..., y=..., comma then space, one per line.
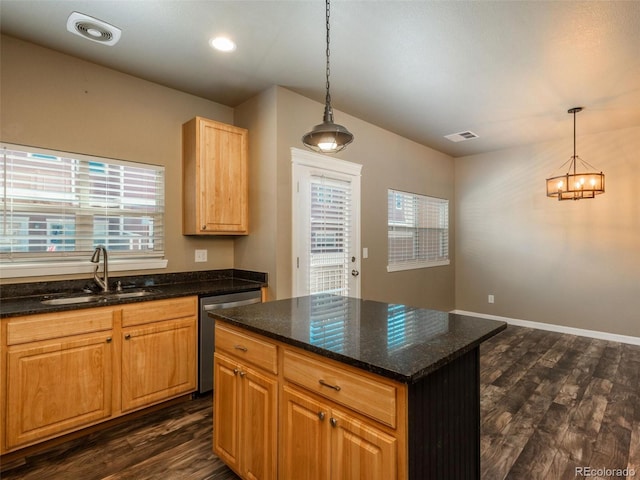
x=355, y=272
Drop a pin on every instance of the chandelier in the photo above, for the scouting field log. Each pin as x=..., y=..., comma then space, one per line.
x=576, y=184
x=327, y=137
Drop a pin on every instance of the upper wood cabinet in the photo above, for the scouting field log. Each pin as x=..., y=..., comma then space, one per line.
x=214, y=178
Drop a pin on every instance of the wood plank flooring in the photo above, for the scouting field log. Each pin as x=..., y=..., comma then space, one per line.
x=550, y=403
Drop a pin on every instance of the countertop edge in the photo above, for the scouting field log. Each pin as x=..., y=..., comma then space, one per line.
x=351, y=361
x=31, y=305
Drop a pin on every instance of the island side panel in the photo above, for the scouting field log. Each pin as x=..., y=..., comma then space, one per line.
x=444, y=419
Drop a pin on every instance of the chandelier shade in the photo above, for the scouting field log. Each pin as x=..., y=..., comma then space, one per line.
x=327, y=137
x=581, y=179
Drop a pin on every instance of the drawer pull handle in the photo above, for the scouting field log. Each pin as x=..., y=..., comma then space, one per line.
x=321, y=415
x=240, y=347
x=325, y=384
x=109, y=339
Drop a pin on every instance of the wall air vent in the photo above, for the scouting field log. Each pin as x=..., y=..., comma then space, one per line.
x=461, y=136
x=93, y=29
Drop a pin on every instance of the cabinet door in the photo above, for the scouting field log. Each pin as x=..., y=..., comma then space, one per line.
x=158, y=362
x=258, y=425
x=57, y=387
x=223, y=178
x=226, y=417
x=305, y=437
x=359, y=450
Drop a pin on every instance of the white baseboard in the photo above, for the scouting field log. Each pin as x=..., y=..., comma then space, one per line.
x=614, y=337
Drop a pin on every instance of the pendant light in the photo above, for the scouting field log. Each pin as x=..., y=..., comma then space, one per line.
x=327, y=137
x=575, y=184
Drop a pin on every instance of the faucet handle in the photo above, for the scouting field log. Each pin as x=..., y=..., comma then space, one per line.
x=118, y=286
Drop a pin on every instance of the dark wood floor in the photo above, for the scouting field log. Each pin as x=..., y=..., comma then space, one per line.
x=551, y=403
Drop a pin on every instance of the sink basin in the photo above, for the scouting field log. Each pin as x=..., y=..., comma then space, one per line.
x=72, y=300
x=136, y=293
x=97, y=297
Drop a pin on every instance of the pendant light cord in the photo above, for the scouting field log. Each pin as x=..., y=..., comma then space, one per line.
x=328, y=114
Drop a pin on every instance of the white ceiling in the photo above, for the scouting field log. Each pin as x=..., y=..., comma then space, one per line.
x=506, y=70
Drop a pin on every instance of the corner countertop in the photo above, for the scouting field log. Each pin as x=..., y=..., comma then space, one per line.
x=26, y=299
x=395, y=341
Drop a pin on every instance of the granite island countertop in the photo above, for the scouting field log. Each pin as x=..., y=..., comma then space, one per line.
x=26, y=298
x=395, y=341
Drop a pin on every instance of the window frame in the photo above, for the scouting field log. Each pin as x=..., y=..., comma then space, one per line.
x=408, y=228
x=15, y=264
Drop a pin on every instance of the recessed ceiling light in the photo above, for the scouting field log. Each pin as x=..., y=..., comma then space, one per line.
x=224, y=44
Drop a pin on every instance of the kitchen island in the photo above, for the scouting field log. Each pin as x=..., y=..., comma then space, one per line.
x=325, y=386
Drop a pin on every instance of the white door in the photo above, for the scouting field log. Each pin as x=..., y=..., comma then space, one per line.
x=326, y=224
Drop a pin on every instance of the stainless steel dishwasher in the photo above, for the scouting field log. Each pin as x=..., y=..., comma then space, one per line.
x=206, y=331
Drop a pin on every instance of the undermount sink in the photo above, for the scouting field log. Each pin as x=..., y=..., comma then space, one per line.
x=97, y=297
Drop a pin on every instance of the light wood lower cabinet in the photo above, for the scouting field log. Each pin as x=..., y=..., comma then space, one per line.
x=65, y=371
x=245, y=435
x=333, y=421
x=158, y=362
x=321, y=441
x=58, y=386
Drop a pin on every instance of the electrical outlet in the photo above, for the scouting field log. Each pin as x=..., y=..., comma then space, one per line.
x=201, y=256
x=491, y=299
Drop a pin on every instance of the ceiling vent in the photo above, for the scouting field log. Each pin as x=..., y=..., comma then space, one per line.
x=93, y=29
x=461, y=136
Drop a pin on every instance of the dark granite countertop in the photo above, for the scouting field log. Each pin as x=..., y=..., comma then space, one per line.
x=26, y=298
x=396, y=341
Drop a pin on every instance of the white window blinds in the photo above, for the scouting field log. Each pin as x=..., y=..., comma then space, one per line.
x=329, y=233
x=57, y=204
x=418, y=231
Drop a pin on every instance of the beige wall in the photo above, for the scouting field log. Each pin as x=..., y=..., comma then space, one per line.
x=82, y=107
x=59, y=102
x=389, y=161
x=572, y=263
x=257, y=251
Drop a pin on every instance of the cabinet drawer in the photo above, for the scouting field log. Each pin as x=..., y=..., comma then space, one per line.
x=360, y=393
x=247, y=347
x=159, y=310
x=57, y=325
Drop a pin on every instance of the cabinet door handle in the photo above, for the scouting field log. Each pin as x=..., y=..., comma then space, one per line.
x=240, y=347
x=204, y=227
x=325, y=384
x=334, y=422
x=127, y=336
x=321, y=415
x=109, y=339
x=236, y=371
x=242, y=374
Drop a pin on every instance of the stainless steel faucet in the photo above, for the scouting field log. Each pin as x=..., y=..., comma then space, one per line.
x=103, y=282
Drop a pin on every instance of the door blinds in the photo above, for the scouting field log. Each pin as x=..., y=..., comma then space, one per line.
x=329, y=234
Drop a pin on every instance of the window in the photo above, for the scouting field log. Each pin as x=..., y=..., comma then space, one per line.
x=418, y=231
x=58, y=206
